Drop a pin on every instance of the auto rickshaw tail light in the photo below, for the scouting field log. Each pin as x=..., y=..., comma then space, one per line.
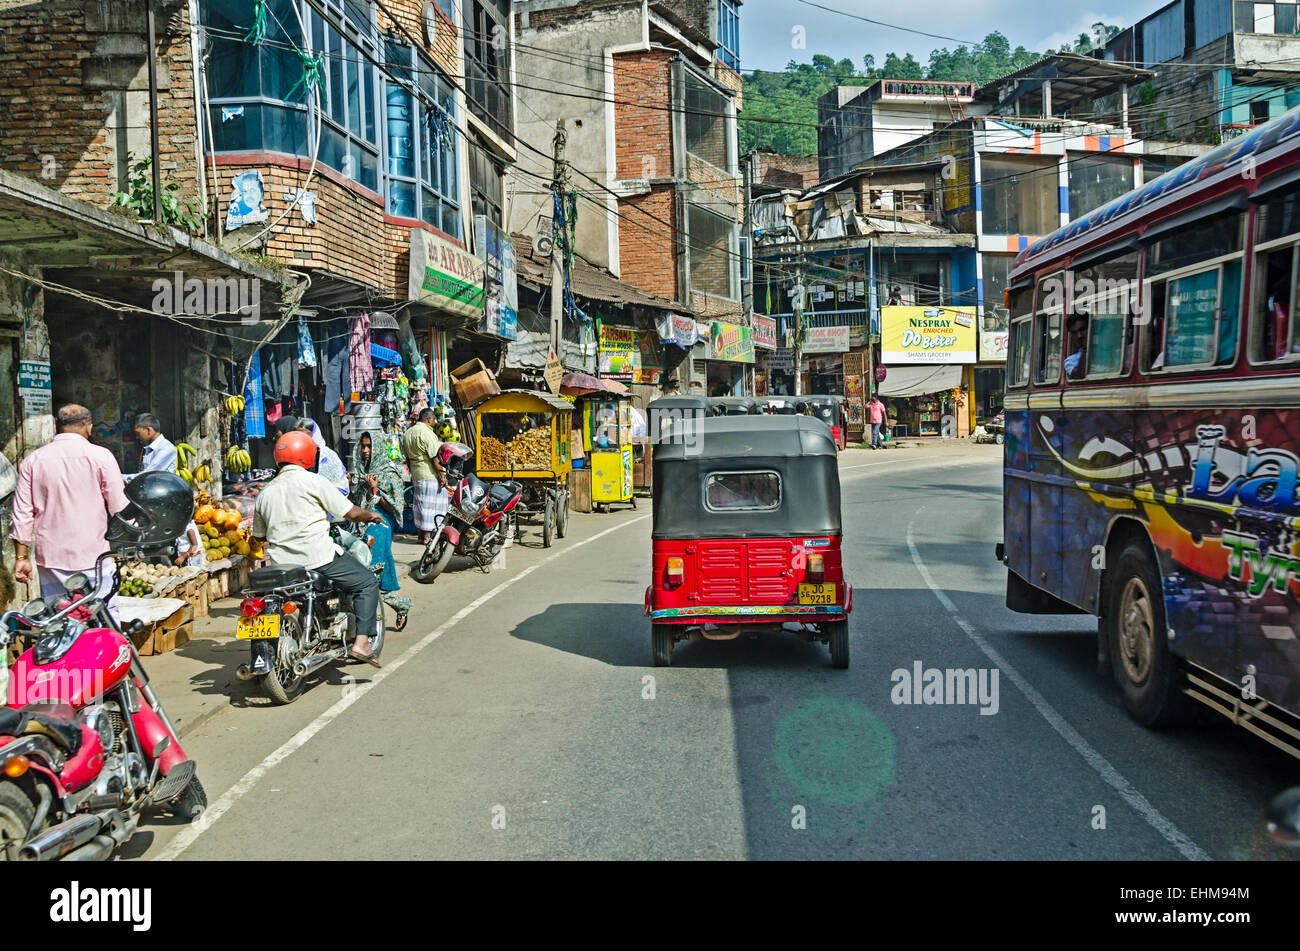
x=675, y=572
x=816, y=567
x=16, y=766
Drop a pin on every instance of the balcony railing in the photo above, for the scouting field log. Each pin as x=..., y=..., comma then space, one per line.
x=941, y=89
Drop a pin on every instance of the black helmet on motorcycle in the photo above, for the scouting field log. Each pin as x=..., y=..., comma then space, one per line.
x=160, y=506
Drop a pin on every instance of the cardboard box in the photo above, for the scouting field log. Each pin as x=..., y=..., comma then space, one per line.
x=473, y=383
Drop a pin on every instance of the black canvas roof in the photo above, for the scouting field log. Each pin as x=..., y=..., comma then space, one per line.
x=722, y=437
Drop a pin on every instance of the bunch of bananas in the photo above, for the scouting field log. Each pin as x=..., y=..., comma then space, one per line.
x=234, y=405
x=185, y=454
x=238, y=459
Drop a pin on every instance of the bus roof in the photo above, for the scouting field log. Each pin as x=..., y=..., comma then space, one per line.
x=1178, y=182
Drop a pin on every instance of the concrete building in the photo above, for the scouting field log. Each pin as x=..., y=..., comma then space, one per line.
x=855, y=123
x=1220, y=67
x=647, y=94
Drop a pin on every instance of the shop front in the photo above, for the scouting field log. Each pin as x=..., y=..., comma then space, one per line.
x=764, y=331
x=990, y=384
x=823, y=360
x=925, y=377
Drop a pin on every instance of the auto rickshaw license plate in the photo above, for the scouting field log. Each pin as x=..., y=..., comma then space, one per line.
x=821, y=593
x=256, y=628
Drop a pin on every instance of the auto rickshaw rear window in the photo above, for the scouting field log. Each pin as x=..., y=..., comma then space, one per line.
x=742, y=491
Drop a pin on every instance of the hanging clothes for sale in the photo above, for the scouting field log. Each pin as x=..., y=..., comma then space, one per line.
x=280, y=377
x=362, y=371
x=306, y=349
x=254, y=411
x=338, y=382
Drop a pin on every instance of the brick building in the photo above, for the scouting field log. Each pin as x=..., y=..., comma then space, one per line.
x=647, y=95
x=321, y=146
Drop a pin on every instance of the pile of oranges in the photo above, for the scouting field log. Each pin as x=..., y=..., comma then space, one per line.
x=222, y=537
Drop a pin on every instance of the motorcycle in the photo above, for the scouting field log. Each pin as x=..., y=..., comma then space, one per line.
x=478, y=521
x=296, y=622
x=85, y=744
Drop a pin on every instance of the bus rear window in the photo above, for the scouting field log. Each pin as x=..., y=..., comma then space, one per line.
x=742, y=492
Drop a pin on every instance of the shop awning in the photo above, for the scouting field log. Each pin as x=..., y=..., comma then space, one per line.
x=577, y=384
x=919, y=380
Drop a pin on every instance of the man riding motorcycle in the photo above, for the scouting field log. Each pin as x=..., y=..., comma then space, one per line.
x=292, y=518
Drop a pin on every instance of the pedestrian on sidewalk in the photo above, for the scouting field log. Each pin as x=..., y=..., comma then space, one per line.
x=66, y=492
x=876, y=416
x=420, y=445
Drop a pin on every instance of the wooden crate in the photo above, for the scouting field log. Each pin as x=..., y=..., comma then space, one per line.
x=167, y=634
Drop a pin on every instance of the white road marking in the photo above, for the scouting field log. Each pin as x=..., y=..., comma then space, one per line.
x=216, y=810
x=1111, y=776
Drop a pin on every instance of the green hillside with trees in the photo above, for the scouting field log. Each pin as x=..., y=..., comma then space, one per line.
x=780, y=109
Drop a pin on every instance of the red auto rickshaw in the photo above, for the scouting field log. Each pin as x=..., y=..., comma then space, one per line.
x=746, y=534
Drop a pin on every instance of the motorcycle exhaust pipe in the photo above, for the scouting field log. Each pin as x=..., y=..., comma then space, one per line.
x=243, y=673
x=56, y=842
x=96, y=850
x=314, y=663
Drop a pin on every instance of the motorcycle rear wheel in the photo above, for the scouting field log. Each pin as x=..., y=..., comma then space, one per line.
x=16, y=814
x=190, y=804
x=433, y=561
x=282, y=685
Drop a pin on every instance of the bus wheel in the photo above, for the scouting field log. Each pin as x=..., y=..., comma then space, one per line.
x=661, y=638
x=1149, y=677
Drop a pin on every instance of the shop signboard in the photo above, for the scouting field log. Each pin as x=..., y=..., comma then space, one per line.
x=619, y=356
x=501, y=290
x=764, y=331
x=782, y=358
x=554, y=371
x=678, y=329
x=731, y=342
x=826, y=340
x=929, y=335
x=993, y=346
x=444, y=275
x=35, y=387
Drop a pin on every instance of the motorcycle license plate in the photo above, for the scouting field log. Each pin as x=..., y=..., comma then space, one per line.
x=256, y=628
x=820, y=593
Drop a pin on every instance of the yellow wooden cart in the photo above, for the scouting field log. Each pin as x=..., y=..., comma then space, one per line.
x=524, y=435
x=607, y=440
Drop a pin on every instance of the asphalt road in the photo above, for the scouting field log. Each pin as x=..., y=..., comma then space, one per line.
x=514, y=719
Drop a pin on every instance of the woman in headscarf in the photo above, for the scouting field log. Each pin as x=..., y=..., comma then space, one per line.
x=377, y=485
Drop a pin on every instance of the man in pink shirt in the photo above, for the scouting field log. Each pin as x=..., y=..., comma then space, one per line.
x=66, y=492
x=876, y=416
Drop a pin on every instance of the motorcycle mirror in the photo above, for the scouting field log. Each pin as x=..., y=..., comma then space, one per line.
x=77, y=584
x=1284, y=817
x=162, y=746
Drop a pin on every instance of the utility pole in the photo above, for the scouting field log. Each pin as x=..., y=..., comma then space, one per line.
x=559, y=228
x=747, y=286
x=797, y=303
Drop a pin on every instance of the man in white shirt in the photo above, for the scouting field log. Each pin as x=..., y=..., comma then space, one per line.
x=157, y=454
x=292, y=516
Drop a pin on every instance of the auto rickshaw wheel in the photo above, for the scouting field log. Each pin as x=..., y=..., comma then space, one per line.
x=548, y=522
x=838, y=634
x=661, y=642
x=562, y=514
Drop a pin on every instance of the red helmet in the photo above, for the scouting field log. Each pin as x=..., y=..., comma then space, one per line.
x=297, y=448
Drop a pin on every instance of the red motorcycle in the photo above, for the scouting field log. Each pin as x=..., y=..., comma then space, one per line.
x=85, y=744
x=478, y=522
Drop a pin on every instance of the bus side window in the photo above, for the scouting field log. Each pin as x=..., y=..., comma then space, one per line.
x=1195, y=293
x=1018, y=353
x=1274, y=331
x=1102, y=303
x=1050, y=306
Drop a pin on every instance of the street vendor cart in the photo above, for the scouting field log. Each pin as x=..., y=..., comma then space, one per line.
x=524, y=435
x=607, y=440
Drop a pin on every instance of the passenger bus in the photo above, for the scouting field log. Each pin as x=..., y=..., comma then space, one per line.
x=1151, y=469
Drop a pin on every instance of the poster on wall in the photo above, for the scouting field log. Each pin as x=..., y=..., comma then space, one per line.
x=993, y=345
x=34, y=387
x=501, y=291
x=619, y=356
x=245, y=207
x=942, y=335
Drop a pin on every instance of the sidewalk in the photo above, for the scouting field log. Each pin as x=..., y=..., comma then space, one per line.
x=197, y=680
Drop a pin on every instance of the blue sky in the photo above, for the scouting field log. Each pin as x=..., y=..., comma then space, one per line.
x=766, y=26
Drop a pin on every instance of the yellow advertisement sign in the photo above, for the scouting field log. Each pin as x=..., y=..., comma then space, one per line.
x=935, y=335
